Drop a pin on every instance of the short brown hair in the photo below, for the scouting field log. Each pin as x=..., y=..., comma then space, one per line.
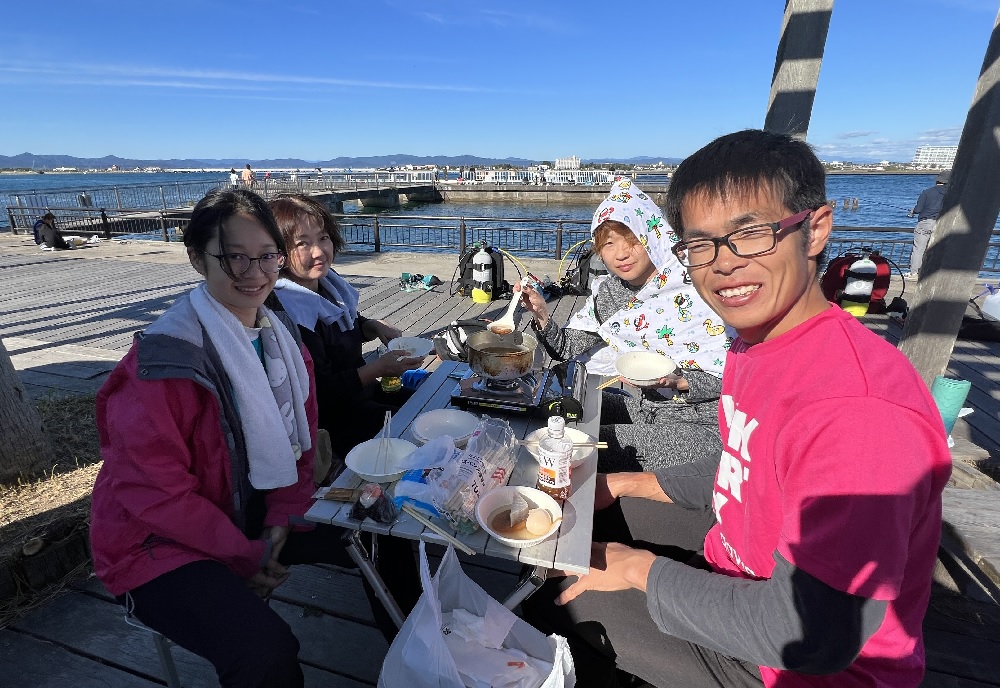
x=603, y=230
x=288, y=211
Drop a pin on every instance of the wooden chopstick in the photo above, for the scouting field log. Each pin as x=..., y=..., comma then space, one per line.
x=427, y=522
x=597, y=445
x=611, y=381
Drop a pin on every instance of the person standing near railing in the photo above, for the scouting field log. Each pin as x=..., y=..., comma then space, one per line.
x=248, y=177
x=233, y=178
x=928, y=209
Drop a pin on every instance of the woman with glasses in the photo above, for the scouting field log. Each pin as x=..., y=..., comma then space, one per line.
x=208, y=428
x=645, y=304
x=324, y=305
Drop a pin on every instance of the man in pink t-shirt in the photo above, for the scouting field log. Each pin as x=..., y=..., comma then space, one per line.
x=827, y=502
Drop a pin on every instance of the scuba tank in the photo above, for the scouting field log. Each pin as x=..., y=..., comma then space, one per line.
x=482, y=264
x=857, y=292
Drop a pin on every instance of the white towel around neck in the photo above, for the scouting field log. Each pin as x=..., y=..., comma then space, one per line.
x=271, y=400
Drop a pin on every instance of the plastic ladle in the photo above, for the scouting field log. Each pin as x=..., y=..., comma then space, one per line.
x=506, y=324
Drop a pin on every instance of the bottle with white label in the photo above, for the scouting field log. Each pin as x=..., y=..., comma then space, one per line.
x=554, y=454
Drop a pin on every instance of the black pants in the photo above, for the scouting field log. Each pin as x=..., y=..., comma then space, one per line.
x=613, y=632
x=209, y=610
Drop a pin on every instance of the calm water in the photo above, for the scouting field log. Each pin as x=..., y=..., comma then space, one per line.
x=883, y=200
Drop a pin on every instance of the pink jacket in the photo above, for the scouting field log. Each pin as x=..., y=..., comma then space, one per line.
x=168, y=493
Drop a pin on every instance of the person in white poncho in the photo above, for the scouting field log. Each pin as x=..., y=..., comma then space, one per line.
x=645, y=303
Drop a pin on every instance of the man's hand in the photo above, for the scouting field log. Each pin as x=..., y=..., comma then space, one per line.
x=612, y=566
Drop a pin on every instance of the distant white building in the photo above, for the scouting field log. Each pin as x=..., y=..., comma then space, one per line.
x=571, y=163
x=940, y=157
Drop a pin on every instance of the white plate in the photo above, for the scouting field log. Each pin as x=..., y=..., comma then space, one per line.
x=495, y=499
x=579, y=454
x=415, y=346
x=459, y=425
x=644, y=368
x=362, y=459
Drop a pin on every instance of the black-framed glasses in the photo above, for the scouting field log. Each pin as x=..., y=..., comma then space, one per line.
x=745, y=242
x=238, y=263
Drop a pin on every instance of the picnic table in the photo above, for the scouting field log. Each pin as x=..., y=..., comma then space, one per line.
x=569, y=551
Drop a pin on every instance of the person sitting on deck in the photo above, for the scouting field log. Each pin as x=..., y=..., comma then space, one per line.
x=207, y=429
x=646, y=304
x=818, y=569
x=351, y=404
x=47, y=235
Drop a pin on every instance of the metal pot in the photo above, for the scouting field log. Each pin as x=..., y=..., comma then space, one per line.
x=501, y=358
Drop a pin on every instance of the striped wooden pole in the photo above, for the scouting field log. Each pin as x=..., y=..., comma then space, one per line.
x=962, y=233
x=796, y=69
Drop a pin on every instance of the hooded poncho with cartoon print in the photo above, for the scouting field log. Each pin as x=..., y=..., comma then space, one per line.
x=660, y=429
x=666, y=315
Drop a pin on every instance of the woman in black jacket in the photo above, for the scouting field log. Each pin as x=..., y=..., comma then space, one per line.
x=324, y=305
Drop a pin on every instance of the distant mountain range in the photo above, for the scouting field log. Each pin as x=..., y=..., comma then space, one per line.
x=48, y=162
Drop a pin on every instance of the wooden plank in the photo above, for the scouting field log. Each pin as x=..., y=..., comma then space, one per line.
x=38, y=663
x=334, y=592
x=342, y=647
x=96, y=628
x=962, y=655
x=314, y=677
x=310, y=587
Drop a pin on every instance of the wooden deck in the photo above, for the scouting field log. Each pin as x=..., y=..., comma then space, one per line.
x=67, y=320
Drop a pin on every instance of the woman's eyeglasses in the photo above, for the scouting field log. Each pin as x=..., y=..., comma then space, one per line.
x=239, y=263
x=745, y=242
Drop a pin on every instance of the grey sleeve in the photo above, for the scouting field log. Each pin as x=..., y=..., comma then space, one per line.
x=563, y=343
x=790, y=621
x=687, y=484
x=703, y=386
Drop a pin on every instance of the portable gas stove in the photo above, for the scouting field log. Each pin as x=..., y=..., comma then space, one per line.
x=552, y=391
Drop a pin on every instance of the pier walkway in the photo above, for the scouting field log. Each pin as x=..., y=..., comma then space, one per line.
x=67, y=317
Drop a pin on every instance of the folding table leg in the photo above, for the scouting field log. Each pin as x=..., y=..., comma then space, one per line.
x=528, y=584
x=369, y=571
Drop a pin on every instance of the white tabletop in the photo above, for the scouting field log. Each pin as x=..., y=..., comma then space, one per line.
x=569, y=551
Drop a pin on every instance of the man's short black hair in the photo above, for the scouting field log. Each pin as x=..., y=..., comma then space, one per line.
x=745, y=163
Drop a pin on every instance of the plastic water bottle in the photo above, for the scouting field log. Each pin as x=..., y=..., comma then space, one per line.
x=554, y=454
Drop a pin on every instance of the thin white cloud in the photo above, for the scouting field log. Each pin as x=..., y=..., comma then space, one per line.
x=855, y=134
x=465, y=13
x=124, y=74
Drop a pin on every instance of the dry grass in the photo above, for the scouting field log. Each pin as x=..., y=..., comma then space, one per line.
x=62, y=493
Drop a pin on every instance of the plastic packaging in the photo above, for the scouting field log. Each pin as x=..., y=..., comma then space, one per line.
x=486, y=463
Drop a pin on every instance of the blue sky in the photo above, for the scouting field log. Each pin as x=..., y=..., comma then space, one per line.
x=535, y=79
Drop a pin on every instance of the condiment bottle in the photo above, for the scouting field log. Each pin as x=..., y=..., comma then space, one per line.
x=554, y=454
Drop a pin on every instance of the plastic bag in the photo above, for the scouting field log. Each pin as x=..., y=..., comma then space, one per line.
x=421, y=656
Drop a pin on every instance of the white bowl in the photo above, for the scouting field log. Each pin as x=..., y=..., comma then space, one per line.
x=579, y=454
x=415, y=346
x=501, y=497
x=363, y=459
x=459, y=425
x=644, y=368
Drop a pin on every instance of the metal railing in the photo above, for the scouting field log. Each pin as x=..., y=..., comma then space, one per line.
x=522, y=236
x=165, y=196
x=527, y=237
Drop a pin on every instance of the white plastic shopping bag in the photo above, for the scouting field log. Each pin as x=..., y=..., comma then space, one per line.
x=458, y=635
